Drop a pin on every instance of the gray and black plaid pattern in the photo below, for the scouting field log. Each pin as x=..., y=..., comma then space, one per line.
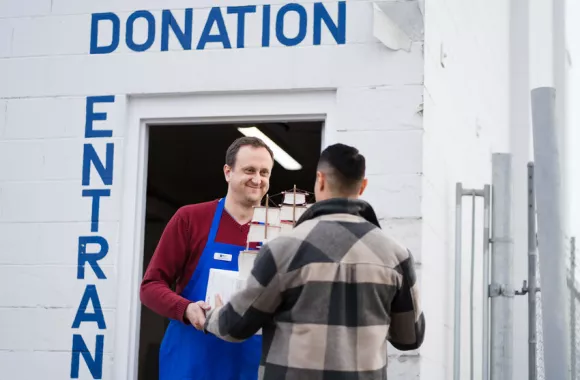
x=328, y=298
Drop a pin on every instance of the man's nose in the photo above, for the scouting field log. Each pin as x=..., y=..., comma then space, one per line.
x=256, y=179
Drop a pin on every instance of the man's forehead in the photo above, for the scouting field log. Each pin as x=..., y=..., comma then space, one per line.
x=249, y=149
x=252, y=156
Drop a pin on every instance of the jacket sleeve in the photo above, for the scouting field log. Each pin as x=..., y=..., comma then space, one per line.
x=407, y=329
x=166, y=265
x=251, y=308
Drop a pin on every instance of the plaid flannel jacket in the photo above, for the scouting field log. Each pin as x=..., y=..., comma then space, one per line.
x=327, y=297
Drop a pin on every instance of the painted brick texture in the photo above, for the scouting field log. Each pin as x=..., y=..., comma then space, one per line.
x=46, y=73
x=465, y=121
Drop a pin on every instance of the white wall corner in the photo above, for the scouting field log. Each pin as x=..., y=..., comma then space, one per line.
x=398, y=24
x=421, y=4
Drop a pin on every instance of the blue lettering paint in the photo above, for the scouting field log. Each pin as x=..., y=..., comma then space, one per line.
x=90, y=294
x=91, y=116
x=130, y=38
x=338, y=29
x=184, y=37
x=116, y=23
x=95, y=364
x=215, y=17
x=105, y=171
x=96, y=194
x=215, y=21
x=266, y=26
x=91, y=258
x=301, y=26
x=241, y=12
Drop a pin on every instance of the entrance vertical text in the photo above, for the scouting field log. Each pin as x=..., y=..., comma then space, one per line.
x=92, y=246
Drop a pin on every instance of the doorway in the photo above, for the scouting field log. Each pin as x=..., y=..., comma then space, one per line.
x=185, y=166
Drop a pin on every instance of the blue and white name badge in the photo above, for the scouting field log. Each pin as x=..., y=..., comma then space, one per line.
x=222, y=256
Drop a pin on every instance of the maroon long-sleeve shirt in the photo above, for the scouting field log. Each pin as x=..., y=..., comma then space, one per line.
x=178, y=253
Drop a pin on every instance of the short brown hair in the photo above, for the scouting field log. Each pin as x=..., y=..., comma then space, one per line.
x=232, y=152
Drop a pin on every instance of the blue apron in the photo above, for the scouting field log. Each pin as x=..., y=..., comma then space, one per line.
x=187, y=353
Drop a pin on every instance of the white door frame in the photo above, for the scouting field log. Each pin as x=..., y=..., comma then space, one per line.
x=141, y=111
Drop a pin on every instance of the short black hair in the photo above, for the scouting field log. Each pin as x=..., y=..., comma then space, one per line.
x=344, y=166
x=234, y=148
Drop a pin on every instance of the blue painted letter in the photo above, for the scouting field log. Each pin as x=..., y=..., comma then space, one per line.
x=266, y=26
x=91, y=156
x=129, y=37
x=95, y=19
x=215, y=16
x=91, y=116
x=338, y=29
x=91, y=258
x=96, y=194
x=301, y=26
x=241, y=12
x=80, y=348
x=184, y=37
x=82, y=315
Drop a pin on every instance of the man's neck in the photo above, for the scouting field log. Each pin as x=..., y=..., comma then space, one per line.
x=240, y=212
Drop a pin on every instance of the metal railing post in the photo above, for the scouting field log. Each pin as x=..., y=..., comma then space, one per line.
x=474, y=193
x=547, y=185
x=501, y=289
x=457, y=285
x=532, y=279
x=485, y=291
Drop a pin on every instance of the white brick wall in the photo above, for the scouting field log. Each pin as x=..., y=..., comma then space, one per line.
x=3, y=106
x=573, y=135
x=45, y=118
x=5, y=38
x=51, y=364
x=16, y=8
x=50, y=36
x=46, y=73
x=49, y=244
x=466, y=120
x=307, y=67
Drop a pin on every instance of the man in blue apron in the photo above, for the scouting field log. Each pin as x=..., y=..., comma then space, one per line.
x=197, y=238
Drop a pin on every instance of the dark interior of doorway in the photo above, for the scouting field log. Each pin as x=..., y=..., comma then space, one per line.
x=185, y=166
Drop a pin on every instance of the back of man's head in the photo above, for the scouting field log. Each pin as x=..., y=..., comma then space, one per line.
x=340, y=173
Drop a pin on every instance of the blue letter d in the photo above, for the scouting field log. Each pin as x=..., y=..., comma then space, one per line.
x=95, y=19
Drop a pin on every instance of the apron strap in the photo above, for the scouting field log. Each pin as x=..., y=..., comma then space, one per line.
x=217, y=216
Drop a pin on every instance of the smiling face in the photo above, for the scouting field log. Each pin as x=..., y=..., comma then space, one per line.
x=249, y=178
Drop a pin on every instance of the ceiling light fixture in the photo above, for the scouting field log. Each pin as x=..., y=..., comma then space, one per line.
x=280, y=155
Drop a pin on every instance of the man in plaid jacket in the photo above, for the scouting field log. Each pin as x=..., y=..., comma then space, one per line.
x=331, y=294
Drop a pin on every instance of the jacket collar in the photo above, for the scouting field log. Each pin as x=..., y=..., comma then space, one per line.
x=355, y=207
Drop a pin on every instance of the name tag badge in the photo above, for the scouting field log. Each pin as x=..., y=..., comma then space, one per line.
x=222, y=256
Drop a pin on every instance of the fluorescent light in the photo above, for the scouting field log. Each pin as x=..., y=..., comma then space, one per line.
x=280, y=155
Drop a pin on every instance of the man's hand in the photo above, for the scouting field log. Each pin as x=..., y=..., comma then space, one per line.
x=195, y=313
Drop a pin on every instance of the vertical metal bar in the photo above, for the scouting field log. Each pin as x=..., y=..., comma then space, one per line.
x=550, y=234
x=573, y=307
x=485, y=292
x=501, y=271
x=457, y=311
x=472, y=285
x=532, y=260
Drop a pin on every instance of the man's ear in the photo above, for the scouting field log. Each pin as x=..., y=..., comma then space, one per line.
x=227, y=172
x=321, y=180
x=363, y=186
